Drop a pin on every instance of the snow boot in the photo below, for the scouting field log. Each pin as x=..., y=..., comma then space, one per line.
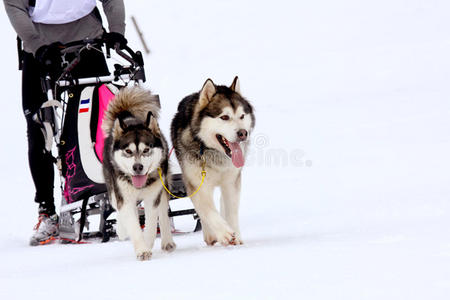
x=47, y=230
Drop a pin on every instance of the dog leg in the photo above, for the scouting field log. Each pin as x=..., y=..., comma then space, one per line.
x=129, y=219
x=217, y=228
x=151, y=222
x=167, y=243
x=229, y=205
x=120, y=229
x=208, y=235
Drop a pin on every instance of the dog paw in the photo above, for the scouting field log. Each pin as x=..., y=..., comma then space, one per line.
x=236, y=241
x=169, y=247
x=227, y=238
x=210, y=240
x=208, y=236
x=144, y=255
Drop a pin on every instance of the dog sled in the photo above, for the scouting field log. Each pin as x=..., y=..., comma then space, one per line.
x=72, y=117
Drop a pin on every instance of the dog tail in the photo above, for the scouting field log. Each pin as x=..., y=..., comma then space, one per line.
x=134, y=100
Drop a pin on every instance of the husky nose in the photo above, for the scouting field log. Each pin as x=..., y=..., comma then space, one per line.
x=242, y=134
x=137, y=168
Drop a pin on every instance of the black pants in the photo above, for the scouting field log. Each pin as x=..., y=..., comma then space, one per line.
x=41, y=162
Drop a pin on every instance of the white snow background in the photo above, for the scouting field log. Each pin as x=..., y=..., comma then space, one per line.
x=346, y=192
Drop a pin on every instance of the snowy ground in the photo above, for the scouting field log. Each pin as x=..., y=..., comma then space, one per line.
x=346, y=192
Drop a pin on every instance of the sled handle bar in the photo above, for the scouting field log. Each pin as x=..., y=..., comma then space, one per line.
x=133, y=57
x=78, y=45
x=91, y=80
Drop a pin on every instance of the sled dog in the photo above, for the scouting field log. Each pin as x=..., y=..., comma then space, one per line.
x=211, y=131
x=134, y=150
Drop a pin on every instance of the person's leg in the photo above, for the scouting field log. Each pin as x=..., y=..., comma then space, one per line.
x=40, y=162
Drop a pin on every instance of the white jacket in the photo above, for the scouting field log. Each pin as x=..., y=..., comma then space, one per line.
x=60, y=11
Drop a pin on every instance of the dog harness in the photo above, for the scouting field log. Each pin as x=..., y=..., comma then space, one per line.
x=195, y=192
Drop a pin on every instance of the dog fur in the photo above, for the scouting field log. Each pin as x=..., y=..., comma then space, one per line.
x=134, y=149
x=214, y=126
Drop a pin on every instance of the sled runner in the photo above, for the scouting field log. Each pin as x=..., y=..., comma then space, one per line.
x=72, y=117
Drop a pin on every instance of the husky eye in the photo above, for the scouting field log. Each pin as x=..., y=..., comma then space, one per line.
x=146, y=150
x=128, y=151
x=242, y=117
x=225, y=117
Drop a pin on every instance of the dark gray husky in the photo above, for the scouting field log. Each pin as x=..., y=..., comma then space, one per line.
x=134, y=150
x=211, y=130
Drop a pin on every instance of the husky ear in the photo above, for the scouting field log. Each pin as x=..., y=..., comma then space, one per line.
x=122, y=123
x=152, y=124
x=155, y=99
x=206, y=94
x=235, y=86
x=118, y=127
x=149, y=117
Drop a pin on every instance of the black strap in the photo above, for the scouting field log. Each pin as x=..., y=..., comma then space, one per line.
x=97, y=14
x=20, y=51
x=94, y=114
x=31, y=3
x=83, y=218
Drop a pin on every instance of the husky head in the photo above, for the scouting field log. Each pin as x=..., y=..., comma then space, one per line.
x=225, y=120
x=138, y=147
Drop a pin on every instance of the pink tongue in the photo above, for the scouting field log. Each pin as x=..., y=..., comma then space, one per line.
x=139, y=180
x=236, y=155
